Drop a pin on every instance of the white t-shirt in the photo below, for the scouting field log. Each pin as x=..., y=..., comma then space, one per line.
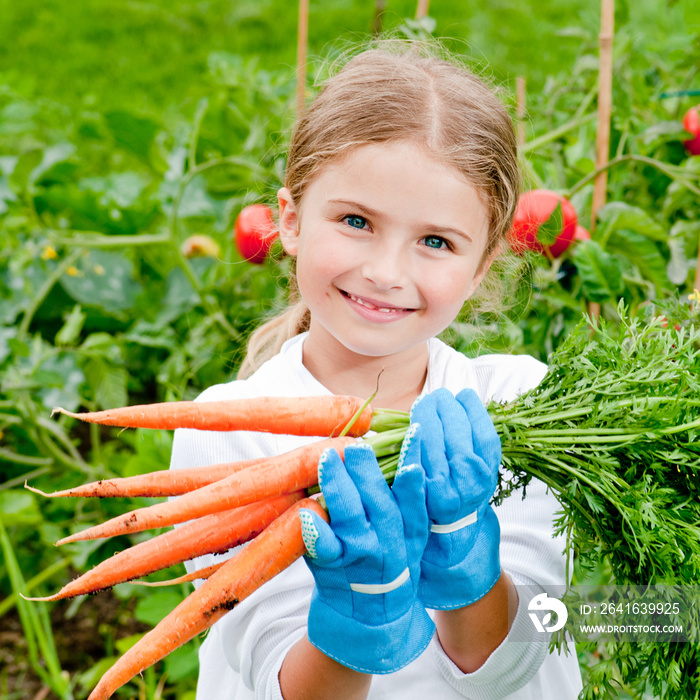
x=243, y=652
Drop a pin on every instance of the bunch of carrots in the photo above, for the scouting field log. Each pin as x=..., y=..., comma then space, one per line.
x=604, y=418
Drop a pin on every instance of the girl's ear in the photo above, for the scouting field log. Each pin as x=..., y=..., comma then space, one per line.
x=288, y=222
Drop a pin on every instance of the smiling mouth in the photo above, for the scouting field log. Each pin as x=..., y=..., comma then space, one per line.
x=373, y=306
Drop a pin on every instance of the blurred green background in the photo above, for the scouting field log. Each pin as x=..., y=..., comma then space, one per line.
x=153, y=55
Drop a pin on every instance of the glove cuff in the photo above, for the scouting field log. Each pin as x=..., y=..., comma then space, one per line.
x=376, y=649
x=448, y=588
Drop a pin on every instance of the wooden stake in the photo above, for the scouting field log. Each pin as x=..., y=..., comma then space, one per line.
x=605, y=71
x=520, y=109
x=422, y=9
x=378, y=20
x=302, y=39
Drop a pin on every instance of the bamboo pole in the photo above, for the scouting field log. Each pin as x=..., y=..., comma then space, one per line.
x=605, y=73
x=520, y=109
x=422, y=9
x=378, y=19
x=302, y=40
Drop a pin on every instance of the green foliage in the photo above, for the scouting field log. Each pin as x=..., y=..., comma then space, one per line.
x=645, y=238
x=620, y=402
x=600, y=272
x=613, y=430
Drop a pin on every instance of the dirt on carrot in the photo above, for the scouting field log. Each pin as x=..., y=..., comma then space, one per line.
x=271, y=552
x=164, y=483
x=216, y=533
x=286, y=473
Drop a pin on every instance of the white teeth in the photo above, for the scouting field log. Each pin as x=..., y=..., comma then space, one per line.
x=366, y=304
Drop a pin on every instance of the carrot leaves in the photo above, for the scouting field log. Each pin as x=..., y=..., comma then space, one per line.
x=613, y=429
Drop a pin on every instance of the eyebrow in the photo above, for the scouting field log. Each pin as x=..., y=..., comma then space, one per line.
x=373, y=213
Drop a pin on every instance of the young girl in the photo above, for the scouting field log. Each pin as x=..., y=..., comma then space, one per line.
x=400, y=187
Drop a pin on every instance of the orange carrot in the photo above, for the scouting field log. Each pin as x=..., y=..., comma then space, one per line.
x=214, y=533
x=323, y=416
x=203, y=573
x=167, y=482
x=285, y=473
x=271, y=552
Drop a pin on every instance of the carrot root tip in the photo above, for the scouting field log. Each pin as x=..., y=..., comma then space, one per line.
x=45, y=599
x=33, y=489
x=69, y=539
x=70, y=414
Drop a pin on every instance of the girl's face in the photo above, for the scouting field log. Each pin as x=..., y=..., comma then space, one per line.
x=389, y=245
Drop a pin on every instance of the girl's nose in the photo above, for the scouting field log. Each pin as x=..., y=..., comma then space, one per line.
x=386, y=267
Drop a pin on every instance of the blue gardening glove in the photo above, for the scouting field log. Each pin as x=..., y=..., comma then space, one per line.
x=364, y=609
x=460, y=451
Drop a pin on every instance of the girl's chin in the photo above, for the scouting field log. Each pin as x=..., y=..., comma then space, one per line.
x=384, y=342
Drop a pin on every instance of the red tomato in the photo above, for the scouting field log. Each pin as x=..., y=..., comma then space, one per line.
x=581, y=234
x=691, y=123
x=535, y=209
x=254, y=232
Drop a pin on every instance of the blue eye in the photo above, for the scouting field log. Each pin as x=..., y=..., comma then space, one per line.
x=435, y=242
x=356, y=221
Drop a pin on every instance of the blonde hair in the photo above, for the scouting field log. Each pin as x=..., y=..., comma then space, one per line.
x=400, y=91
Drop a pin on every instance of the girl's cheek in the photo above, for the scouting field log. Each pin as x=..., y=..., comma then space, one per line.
x=449, y=288
x=317, y=270
x=329, y=254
